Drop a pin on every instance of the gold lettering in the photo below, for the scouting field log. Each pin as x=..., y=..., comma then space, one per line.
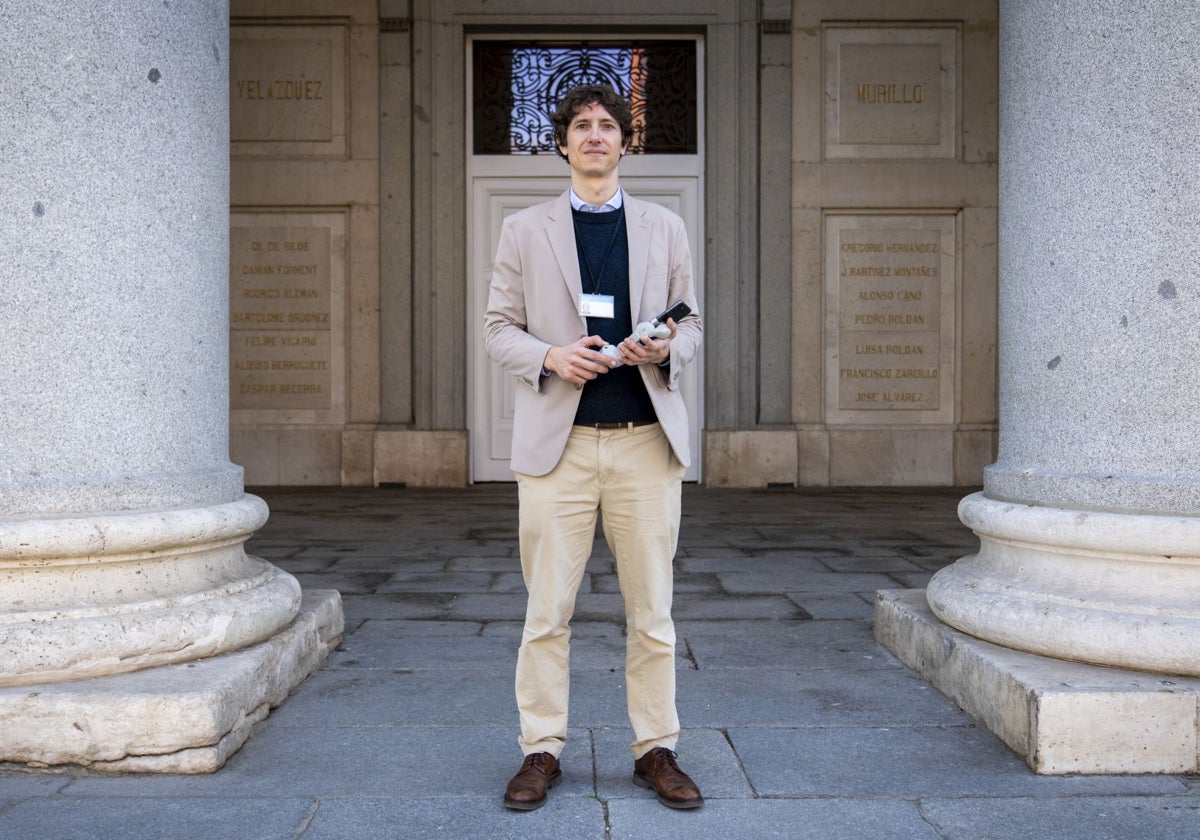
x=891, y=94
x=285, y=89
x=299, y=365
x=914, y=247
x=258, y=317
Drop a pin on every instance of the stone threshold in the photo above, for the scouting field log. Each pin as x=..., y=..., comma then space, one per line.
x=184, y=718
x=1061, y=717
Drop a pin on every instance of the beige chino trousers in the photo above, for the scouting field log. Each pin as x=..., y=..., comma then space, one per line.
x=630, y=477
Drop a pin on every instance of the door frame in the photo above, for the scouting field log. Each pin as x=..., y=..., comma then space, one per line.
x=633, y=167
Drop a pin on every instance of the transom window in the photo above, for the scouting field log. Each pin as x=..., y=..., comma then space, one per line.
x=518, y=84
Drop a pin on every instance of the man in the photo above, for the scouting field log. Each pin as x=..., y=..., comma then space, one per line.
x=595, y=433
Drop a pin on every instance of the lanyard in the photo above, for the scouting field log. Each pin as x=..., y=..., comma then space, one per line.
x=595, y=277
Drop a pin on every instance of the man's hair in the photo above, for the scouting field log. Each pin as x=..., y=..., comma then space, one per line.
x=580, y=97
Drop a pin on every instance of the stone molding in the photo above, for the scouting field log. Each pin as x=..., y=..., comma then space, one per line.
x=114, y=593
x=1107, y=588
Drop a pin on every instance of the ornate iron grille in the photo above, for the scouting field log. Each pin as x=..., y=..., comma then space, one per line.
x=517, y=86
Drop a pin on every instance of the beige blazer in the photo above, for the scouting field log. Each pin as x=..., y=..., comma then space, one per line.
x=533, y=305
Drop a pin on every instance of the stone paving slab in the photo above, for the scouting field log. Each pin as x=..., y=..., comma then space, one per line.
x=818, y=697
x=790, y=564
x=336, y=698
x=378, y=646
x=826, y=606
x=761, y=583
x=484, y=564
x=69, y=818
x=771, y=819
x=908, y=762
x=375, y=562
x=885, y=563
x=17, y=784
x=691, y=606
x=790, y=644
x=565, y=817
x=1066, y=818
x=455, y=582
x=396, y=605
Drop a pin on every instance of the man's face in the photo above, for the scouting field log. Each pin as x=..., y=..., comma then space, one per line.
x=593, y=146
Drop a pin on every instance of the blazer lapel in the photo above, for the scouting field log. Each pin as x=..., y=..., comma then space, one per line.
x=560, y=230
x=637, y=228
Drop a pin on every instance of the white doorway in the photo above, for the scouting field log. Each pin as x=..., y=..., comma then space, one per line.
x=498, y=185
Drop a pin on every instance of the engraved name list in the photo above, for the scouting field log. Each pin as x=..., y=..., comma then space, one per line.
x=889, y=341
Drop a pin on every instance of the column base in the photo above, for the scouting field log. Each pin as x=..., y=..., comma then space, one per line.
x=1060, y=717
x=1102, y=587
x=184, y=718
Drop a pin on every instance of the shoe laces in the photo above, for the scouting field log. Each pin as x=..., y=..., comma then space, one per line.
x=668, y=757
x=538, y=760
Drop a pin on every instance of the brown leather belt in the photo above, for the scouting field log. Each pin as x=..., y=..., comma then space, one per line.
x=608, y=426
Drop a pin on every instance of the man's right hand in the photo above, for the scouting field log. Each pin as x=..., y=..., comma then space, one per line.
x=580, y=362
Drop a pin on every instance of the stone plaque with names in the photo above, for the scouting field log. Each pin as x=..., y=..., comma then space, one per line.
x=287, y=93
x=891, y=92
x=280, y=337
x=280, y=90
x=890, y=298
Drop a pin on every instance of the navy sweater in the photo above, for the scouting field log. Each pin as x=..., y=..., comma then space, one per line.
x=618, y=396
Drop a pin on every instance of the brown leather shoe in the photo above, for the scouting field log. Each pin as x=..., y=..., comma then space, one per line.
x=526, y=791
x=657, y=770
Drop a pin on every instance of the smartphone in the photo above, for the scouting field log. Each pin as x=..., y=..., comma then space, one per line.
x=677, y=310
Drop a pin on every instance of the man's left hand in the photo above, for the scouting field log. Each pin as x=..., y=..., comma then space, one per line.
x=647, y=351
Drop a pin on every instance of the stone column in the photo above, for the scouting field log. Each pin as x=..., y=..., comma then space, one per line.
x=122, y=521
x=1089, y=521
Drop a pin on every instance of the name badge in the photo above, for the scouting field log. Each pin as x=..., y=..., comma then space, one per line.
x=597, y=306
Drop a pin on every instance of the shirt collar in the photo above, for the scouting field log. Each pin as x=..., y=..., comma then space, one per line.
x=613, y=203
